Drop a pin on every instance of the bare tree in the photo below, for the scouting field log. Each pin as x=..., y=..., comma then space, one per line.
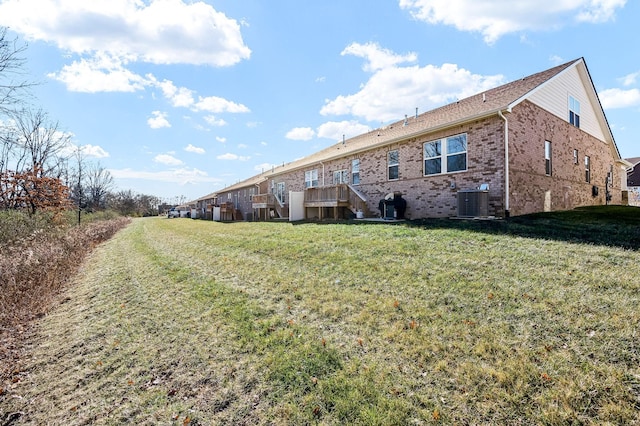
x=99, y=183
x=39, y=143
x=12, y=64
x=33, y=162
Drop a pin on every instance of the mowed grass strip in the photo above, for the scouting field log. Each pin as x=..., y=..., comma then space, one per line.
x=193, y=322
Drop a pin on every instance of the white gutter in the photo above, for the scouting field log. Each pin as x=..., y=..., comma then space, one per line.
x=506, y=161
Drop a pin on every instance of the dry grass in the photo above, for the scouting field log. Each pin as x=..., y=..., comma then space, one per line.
x=191, y=322
x=36, y=260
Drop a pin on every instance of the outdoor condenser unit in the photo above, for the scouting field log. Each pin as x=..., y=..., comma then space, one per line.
x=473, y=203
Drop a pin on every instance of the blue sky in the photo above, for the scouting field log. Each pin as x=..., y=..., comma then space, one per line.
x=182, y=98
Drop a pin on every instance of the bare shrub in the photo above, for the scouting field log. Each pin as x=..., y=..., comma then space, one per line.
x=35, y=267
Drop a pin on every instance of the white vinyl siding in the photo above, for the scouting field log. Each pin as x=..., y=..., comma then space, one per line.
x=554, y=97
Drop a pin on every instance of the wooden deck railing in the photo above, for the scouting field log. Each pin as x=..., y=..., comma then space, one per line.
x=264, y=199
x=327, y=194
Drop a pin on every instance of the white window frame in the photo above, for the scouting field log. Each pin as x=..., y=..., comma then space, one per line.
x=443, y=155
x=548, y=153
x=340, y=176
x=355, y=171
x=574, y=111
x=587, y=169
x=575, y=156
x=311, y=178
x=280, y=191
x=393, y=164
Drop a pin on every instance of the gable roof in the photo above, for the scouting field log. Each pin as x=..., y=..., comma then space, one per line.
x=633, y=160
x=481, y=105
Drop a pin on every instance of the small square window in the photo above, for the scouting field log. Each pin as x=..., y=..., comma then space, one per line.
x=575, y=156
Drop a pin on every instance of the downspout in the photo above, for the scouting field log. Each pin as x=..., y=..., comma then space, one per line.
x=506, y=162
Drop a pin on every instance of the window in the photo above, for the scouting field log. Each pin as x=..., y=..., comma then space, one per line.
x=280, y=192
x=574, y=111
x=340, y=176
x=445, y=155
x=393, y=164
x=433, y=158
x=575, y=156
x=311, y=178
x=587, y=169
x=355, y=172
x=547, y=158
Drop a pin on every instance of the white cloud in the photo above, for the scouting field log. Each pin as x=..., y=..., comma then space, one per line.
x=264, y=167
x=167, y=159
x=556, y=60
x=336, y=129
x=221, y=139
x=101, y=73
x=178, y=96
x=618, y=98
x=493, y=19
x=242, y=146
x=301, y=134
x=160, y=32
x=94, y=151
x=216, y=104
x=180, y=176
x=229, y=156
x=597, y=11
x=630, y=79
x=395, y=91
x=377, y=57
x=213, y=121
x=159, y=120
x=194, y=149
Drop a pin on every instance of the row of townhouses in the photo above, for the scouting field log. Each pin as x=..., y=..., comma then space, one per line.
x=541, y=143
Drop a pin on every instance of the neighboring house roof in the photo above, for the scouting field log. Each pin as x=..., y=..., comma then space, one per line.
x=252, y=181
x=633, y=175
x=633, y=160
x=484, y=104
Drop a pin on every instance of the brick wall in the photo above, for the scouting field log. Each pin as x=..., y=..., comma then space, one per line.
x=427, y=196
x=531, y=189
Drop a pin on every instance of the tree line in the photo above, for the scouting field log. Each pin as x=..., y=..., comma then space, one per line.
x=40, y=170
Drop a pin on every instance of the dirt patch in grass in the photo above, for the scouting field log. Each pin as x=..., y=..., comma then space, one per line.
x=192, y=322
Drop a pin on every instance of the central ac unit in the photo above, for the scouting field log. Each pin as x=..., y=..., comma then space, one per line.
x=473, y=203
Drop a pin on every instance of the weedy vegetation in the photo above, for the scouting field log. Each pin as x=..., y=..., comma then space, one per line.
x=38, y=254
x=532, y=320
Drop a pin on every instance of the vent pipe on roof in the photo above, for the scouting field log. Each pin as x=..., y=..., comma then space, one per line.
x=483, y=98
x=416, y=113
x=343, y=141
x=406, y=120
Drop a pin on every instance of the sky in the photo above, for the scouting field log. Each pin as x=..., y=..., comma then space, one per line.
x=180, y=98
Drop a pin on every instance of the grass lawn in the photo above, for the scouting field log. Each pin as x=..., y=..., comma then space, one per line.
x=534, y=320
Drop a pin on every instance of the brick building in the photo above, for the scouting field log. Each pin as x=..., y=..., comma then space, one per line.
x=633, y=181
x=541, y=143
